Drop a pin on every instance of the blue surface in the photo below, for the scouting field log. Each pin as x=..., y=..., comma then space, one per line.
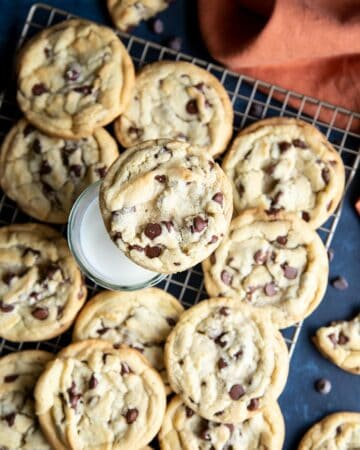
x=301, y=404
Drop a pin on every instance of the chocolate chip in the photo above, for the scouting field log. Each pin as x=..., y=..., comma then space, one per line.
x=224, y=311
x=152, y=230
x=74, y=397
x=342, y=339
x=101, y=171
x=40, y=313
x=45, y=168
x=270, y=289
x=189, y=412
x=199, y=224
x=50, y=270
x=138, y=132
x=222, y=363
x=36, y=146
x=205, y=435
x=47, y=52
x=219, y=340
x=31, y=251
x=241, y=189
x=226, y=277
x=284, y=146
x=138, y=248
x=200, y=86
x=175, y=43
x=260, y=257
x=131, y=415
x=28, y=130
x=39, y=89
x=219, y=198
x=8, y=277
x=73, y=72
x=156, y=26
x=333, y=339
x=125, y=369
x=161, y=178
x=191, y=107
x=10, y=419
x=102, y=331
x=323, y=386
x=282, y=240
x=5, y=308
x=340, y=283
x=299, y=143
x=171, y=321
x=213, y=258
x=305, y=216
x=289, y=272
x=238, y=354
x=254, y=404
x=169, y=224
x=11, y=378
x=236, y=392
x=86, y=90
x=329, y=206
x=93, y=382
x=270, y=168
x=212, y=165
x=256, y=109
x=325, y=175
x=75, y=169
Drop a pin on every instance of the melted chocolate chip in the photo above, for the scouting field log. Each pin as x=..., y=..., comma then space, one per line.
x=11, y=378
x=86, y=90
x=152, y=230
x=75, y=169
x=101, y=171
x=238, y=354
x=10, y=419
x=93, y=382
x=325, y=175
x=333, y=339
x=8, y=277
x=289, y=272
x=102, y=331
x=28, y=130
x=138, y=248
x=5, y=308
x=222, y=363
x=45, y=168
x=342, y=339
x=41, y=313
x=299, y=143
x=39, y=89
x=213, y=258
x=305, y=216
x=169, y=224
x=161, y=178
x=224, y=311
x=200, y=86
x=219, y=198
x=125, y=369
x=171, y=321
x=136, y=131
x=270, y=289
x=191, y=107
x=131, y=415
x=205, y=435
x=219, y=340
x=270, y=168
x=199, y=224
x=236, y=392
x=282, y=240
x=284, y=146
x=226, y=277
x=260, y=257
x=36, y=146
x=73, y=72
x=47, y=52
x=153, y=252
x=50, y=270
x=254, y=404
x=74, y=397
x=189, y=412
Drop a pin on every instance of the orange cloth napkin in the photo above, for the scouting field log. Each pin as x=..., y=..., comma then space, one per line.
x=309, y=46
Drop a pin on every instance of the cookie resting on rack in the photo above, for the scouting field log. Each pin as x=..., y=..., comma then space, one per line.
x=180, y=101
x=340, y=343
x=276, y=263
x=166, y=204
x=45, y=175
x=140, y=319
x=183, y=429
x=226, y=360
x=339, y=431
x=283, y=164
x=127, y=14
x=19, y=427
x=41, y=287
x=95, y=396
x=73, y=78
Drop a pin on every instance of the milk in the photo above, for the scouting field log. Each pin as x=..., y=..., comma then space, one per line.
x=96, y=253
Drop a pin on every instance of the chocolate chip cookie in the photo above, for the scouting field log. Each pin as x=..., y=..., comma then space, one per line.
x=127, y=14
x=284, y=164
x=166, y=204
x=340, y=343
x=225, y=360
x=141, y=320
x=337, y=431
x=73, y=78
x=274, y=262
x=179, y=101
x=95, y=396
x=45, y=175
x=41, y=287
x=19, y=428
x=184, y=429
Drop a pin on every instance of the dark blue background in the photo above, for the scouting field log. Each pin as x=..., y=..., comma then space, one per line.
x=301, y=404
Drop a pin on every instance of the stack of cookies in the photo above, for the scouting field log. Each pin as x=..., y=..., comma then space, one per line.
x=168, y=206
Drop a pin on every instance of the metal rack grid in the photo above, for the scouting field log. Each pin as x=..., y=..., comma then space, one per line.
x=252, y=100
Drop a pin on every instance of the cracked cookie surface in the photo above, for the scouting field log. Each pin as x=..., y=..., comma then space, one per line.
x=19, y=428
x=182, y=429
x=41, y=287
x=339, y=431
x=275, y=263
x=340, y=342
x=225, y=360
x=285, y=164
x=95, y=396
x=45, y=175
x=73, y=78
x=166, y=205
x=141, y=320
x=179, y=101
x=129, y=13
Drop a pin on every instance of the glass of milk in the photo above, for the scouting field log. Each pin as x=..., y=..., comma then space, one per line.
x=97, y=255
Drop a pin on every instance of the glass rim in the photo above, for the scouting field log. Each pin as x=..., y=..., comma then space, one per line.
x=71, y=228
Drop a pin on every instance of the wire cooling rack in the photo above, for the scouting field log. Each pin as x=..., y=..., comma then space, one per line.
x=252, y=100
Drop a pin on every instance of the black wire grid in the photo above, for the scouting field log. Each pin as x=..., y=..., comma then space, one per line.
x=252, y=100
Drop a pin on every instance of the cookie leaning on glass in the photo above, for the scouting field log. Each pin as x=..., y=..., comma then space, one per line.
x=45, y=175
x=73, y=78
x=166, y=204
x=283, y=164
